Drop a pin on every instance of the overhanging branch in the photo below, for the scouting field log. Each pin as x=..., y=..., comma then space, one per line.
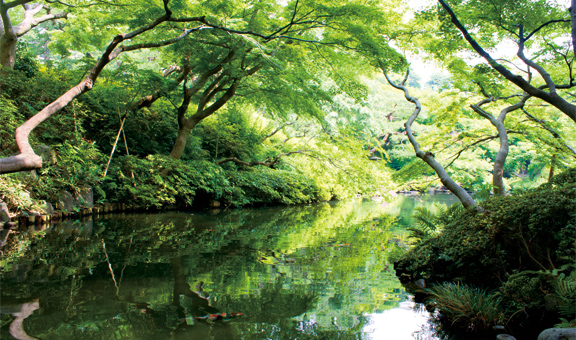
x=268, y=162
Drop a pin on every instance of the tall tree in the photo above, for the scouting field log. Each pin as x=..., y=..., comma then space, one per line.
x=223, y=58
x=10, y=31
x=535, y=24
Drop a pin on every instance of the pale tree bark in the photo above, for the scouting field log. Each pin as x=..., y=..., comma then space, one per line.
x=498, y=123
x=573, y=18
x=428, y=157
x=551, y=97
x=9, y=32
x=27, y=159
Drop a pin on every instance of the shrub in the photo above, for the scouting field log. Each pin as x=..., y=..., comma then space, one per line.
x=268, y=186
x=160, y=180
x=517, y=232
x=467, y=307
x=522, y=245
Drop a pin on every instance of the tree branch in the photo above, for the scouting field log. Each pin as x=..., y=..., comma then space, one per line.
x=542, y=26
x=30, y=22
x=552, y=98
x=28, y=160
x=276, y=131
x=554, y=134
x=268, y=162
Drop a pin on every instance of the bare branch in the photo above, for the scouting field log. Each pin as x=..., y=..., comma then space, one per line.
x=276, y=131
x=30, y=22
x=554, y=134
x=544, y=25
x=479, y=141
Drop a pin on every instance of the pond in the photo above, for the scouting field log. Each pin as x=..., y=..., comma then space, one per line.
x=319, y=271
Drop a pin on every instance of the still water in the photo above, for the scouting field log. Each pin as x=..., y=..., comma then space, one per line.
x=321, y=271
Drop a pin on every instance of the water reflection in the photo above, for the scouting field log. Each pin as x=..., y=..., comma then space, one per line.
x=303, y=272
x=405, y=322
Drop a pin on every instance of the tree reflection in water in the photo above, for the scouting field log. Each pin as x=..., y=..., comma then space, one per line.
x=306, y=272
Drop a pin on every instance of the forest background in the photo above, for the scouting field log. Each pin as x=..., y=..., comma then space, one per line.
x=176, y=103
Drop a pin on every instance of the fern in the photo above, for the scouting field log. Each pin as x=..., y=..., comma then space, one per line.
x=565, y=289
x=427, y=223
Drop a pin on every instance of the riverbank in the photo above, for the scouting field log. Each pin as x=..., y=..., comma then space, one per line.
x=518, y=253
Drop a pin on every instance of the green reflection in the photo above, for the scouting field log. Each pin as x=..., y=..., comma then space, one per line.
x=293, y=272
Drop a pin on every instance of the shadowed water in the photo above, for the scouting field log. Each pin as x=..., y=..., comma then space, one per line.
x=307, y=272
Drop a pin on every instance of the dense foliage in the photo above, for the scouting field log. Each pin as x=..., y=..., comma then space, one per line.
x=522, y=245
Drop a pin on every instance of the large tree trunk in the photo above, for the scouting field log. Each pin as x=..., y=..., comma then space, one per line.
x=8, y=49
x=181, y=139
x=9, y=33
x=27, y=159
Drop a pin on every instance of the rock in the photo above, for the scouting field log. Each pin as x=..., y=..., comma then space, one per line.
x=558, y=334
x=4, y=212
x=85, y=197
x=499, y=328
x=214, y=204
x=47, y=207
x=420, y=283
x=505, y=337
x=47, y=153
x=66, y=202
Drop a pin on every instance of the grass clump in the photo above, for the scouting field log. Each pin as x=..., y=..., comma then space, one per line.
x=470, y=308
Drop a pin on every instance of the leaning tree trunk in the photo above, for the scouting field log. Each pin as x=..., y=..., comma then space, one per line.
x=27, y=159
x=428, y=157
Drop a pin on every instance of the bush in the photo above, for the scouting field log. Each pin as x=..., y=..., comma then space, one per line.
x=267, y=186
x=79, y=164
x=521, y=231
x=160, y=180
x=470, y=308
x=521, y=245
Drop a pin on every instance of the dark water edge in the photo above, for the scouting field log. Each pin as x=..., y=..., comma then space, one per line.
x=305, y=272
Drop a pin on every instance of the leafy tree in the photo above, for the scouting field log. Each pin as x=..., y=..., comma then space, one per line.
x=536, y=25
x=28, y=18
x=240, y=51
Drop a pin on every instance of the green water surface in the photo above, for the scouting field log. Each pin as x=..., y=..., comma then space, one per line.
x=321, y=271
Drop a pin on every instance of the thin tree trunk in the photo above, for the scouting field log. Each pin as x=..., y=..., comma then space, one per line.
x=428, y=157
x=552, y=166
x=115, y=144
x=498, y=123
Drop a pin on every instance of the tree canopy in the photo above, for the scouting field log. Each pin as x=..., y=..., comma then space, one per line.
x=302, y=74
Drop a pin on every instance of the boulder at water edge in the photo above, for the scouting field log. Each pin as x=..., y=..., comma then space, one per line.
x=558, y=334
